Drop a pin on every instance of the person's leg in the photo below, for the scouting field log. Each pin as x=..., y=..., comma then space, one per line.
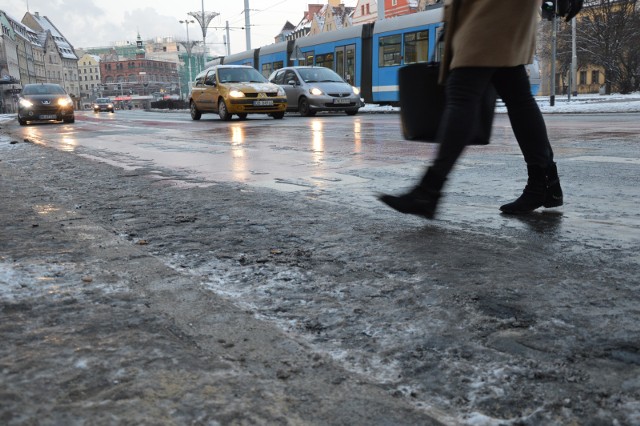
x=543, y=187
x=464, y=90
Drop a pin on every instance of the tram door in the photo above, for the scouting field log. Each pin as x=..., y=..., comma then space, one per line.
x=345, y=60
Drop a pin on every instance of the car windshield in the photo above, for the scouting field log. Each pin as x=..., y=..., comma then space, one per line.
x=240, y=75
x=314, y=75
x=102, y=101
x=43, y=89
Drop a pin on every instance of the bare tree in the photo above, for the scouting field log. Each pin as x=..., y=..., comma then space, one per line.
x=609, y=36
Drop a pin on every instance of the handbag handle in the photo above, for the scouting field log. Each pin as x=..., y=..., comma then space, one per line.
x=455, y=7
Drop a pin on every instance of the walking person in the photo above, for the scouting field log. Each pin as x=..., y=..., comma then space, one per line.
x=489, y=42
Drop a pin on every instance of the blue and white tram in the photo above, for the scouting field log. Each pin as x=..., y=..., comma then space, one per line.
x=274, y=57
x=400, y=41
x=248, y=57
x=344, y=51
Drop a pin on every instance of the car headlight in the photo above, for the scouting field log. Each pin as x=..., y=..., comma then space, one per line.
x=356, y=91
x=25, y=103
x=64, y=101
x=236, y=94
x=110, y=106
x=315, y=91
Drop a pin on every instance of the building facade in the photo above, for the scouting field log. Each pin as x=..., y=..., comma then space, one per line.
x=139, y=76
x=365, y=11
x=89, y=78
x=61, y=62
x=9, y=66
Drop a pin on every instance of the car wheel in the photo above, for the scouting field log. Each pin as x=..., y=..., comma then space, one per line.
x=278, y=115
x=303, y=108
x=352, y=111
x=112, y=111
x=69, y=120
x=242, y=116
x=195, y=114
x=22, y=122
x=222, y=111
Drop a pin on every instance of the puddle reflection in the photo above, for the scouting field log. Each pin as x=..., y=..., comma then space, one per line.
x=69, y=144
x=44, y=209
x=357, y=137
x=238, y=153
x=547, y=222
x=317, y=141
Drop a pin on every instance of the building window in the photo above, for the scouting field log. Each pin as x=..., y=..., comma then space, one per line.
x=583, y=77
x=595, y=77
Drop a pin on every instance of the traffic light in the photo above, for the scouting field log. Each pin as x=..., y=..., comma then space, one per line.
x=549, y=9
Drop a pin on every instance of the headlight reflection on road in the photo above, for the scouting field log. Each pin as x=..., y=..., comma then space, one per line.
x=68, y=144
x=317, y=141
x=45, y=209
x=357, y=139
x=34, y=135
x=238, y=153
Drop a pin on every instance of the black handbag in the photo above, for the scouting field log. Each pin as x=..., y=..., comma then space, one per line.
x=422, y=102
x=422, y=99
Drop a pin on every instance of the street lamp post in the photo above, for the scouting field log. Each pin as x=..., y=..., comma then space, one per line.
x=204, y=18
x=186, y=23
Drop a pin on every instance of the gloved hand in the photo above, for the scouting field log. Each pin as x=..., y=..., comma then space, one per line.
x=568, y=9
x=574, y=8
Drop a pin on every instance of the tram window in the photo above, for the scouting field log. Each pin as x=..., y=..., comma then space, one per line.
x=267, y=69
x=389, y=51
x=439, y=44
x=416, y=47
x=309, y=60
x=325, y=60
x=351, y=64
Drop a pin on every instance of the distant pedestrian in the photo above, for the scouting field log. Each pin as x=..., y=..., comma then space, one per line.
x=489, y=43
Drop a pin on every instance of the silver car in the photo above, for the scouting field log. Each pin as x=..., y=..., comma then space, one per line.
x=313, y=89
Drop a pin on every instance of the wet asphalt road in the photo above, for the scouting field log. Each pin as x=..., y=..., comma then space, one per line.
x=351, y=159
x=209, y=239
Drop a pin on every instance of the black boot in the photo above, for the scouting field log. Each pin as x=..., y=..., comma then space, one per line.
x=542, y=190
x=421, y=200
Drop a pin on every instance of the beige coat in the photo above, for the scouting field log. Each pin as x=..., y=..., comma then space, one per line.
x=489, y=33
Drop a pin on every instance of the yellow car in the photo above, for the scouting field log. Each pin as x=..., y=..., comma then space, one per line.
x=235, y=89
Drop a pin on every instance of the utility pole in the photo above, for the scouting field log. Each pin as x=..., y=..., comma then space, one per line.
x=228, y=40
x=381, y=11
x=247, y=24
x=554, y=36
x=574, y=59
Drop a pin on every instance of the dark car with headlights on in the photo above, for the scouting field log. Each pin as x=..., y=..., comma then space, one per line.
x=44, y=102
x=312, y=89
x=103, y=104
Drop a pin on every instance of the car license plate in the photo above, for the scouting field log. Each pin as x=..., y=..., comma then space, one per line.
x=48, y=117
x=263, y=103
x=342, y=101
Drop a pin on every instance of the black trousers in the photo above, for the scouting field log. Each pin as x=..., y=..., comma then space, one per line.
x=464, y=89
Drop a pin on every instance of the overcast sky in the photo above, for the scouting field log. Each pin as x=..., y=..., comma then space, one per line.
x=92, y=23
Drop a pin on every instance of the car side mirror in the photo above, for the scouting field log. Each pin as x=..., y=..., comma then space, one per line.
x=291, y=82
x=209, y=83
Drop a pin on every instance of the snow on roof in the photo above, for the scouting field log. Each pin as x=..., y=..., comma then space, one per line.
x=64, y=47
